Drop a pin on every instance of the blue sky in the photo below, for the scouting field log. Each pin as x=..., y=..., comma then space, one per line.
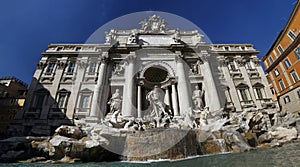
x=27, y=27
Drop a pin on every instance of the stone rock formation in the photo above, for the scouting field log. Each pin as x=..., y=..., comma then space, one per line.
x=138, y=140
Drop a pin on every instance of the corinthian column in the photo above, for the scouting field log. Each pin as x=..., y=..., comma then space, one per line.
x=95, y=109
x=211, y=90
x=139, y=101
x=174, y=100
x=128, y=109
x=184, y=92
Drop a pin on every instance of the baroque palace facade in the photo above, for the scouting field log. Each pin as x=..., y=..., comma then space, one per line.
x=74, y=83
x=282, y=64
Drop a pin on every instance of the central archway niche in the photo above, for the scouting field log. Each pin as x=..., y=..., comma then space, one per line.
x=157, y=74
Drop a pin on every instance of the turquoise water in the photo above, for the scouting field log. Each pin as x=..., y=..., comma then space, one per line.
x=288, y=155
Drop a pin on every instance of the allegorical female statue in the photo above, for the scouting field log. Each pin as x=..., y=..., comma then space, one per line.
x=115, y=104
x=198, y=98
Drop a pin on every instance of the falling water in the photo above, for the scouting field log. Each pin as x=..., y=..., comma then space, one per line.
x=221, y=143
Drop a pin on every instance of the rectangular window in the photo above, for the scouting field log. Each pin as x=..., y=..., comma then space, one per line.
x=275, y=53
x=282, y=86
x=78, y=49
x=287, y=63
x=232, y=66
x=266, y=64
x=298, y=92
x=92, y=68
x=248, y=65
x=272, y=91
x=276, y=72
x=39, y=100
x=259, y=93
x=297, y=53
x=85, y=101
x=295, y=76
x=59, y=48
x=271, y=60
x=226, y=48
x=269, y=80
x=287, y=99
x=50, y=68
x=244, y=94
x=61, y=100
x=71, y=68
x=280, y=49
x=292, y=35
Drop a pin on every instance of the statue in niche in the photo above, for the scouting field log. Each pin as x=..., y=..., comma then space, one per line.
x=115, y=105
x=119, y=69
x=198, y=98
x=156, y=99
x=196, y=68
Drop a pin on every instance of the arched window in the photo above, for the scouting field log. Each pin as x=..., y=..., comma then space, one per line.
x=39, y=99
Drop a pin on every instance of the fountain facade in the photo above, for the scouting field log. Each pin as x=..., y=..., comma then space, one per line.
x=150, y=93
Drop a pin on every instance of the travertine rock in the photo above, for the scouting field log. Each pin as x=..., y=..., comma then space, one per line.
x=69, y=131
x=283, y=134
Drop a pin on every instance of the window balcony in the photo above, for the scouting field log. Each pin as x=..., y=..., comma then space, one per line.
x=91, y=76
x=267, y=103
x=236, y=74
x=47, y=76
x=248, y=104
x=69, y=77
x=81, y=113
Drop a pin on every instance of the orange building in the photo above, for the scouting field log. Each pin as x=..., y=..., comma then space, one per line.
x=282, y=64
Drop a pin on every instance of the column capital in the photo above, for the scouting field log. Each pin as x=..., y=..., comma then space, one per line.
x=82, y=63
x=204, y=56
x=141, y=81
x=131, y=57
x=61, y=64
x=103, y=60
x=41, y=65
x=173, y=80
x=105, y=55
x=179, y=58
